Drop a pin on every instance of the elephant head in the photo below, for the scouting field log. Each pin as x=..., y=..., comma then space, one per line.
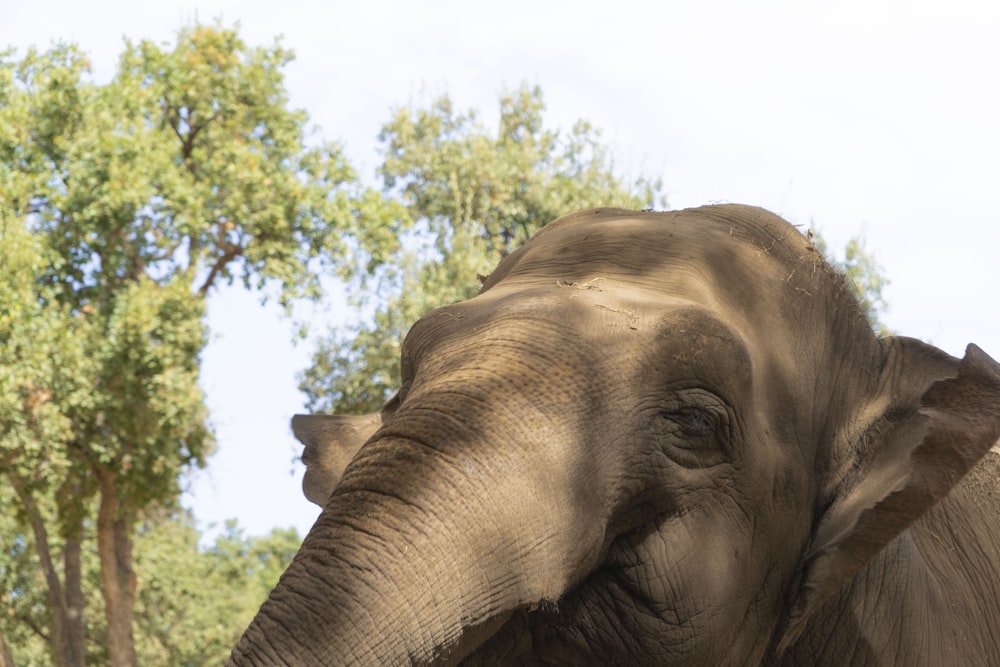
x=663, y=438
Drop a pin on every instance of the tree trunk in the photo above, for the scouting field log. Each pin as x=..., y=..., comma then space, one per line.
x=5, y=658
x=73, y=578
x=114, y=548
x=59, y=640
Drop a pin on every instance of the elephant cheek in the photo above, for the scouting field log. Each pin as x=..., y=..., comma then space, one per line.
x=740, y=586
x=716, y=586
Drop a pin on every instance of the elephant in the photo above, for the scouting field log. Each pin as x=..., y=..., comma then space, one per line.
x=663, y=438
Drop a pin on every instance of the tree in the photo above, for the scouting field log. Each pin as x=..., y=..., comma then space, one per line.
x=475, y=195
x=42, y=379
x=140, y=196
x=192, y=602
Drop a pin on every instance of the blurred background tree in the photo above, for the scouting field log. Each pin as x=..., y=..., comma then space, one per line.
x=123, y=205
x=193, y=601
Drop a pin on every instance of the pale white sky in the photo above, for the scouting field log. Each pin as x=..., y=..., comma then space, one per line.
x=875, y=116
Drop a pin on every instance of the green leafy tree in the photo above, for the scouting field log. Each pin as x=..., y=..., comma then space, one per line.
x=192, y=602
x=130, y=201
x=475, y=193
x=92, y=406
x=866, y=279
x=43, y=373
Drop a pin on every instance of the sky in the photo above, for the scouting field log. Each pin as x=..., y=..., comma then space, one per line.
x=873, y=117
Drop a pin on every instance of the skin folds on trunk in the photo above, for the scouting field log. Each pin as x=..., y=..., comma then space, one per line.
x=472, y=558
x=435, y=534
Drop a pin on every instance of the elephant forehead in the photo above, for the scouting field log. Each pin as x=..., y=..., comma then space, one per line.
x=720, y=247
x=608, y=339
x=540, y=309
x=598, y=324
x=597, y=316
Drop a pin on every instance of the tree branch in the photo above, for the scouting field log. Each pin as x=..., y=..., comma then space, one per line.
x=231, y=252
x=34, y=627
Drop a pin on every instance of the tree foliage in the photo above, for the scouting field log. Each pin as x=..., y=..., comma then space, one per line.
x=865, y=277
x=193, y=601
x=43, y=380
x=123, y=204
x=475, y=193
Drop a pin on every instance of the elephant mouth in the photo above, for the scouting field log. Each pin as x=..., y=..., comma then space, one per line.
x=562, y=632
x=574, y=629
x=624, y=597
x=309, y=457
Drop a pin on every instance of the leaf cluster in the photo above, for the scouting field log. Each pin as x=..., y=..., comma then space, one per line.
x=188, y=163
x=192, y=601
x=44, y=368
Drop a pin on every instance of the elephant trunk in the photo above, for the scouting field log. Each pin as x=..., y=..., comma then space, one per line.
x=477, y=497
x=421, y=554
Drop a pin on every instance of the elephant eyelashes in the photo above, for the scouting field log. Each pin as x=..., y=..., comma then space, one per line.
x=692, y=435
x=694, y=422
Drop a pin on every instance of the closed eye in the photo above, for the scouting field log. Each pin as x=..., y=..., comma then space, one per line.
x=694, y=422
x=694, y=431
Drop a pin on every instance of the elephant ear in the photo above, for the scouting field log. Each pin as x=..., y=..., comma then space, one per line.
x=331, y=442
x=933, y=419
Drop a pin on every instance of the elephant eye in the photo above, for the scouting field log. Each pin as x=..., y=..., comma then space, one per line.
x=694, y=434
x=694, y=422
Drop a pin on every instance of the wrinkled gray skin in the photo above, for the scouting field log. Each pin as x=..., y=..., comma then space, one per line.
x=653, y=438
